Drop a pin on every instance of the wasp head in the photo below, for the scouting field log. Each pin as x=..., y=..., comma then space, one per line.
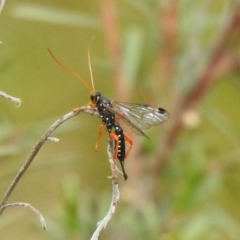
x=95, y=97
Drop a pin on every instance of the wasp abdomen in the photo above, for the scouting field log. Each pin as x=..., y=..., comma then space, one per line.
x=121, y=142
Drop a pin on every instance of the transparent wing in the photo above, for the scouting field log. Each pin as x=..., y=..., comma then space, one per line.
x=139, y=116
x=122, y=117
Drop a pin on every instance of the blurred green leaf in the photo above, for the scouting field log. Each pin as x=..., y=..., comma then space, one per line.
x=40, y=13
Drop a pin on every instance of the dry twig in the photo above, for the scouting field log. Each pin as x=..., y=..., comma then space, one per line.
x=27, y=205
x=46, y=137
x=17, y=101
x=115, y=193
x=38, y=146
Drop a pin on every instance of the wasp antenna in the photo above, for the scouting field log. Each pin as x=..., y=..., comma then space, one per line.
x=89, y=63
x=71, y=71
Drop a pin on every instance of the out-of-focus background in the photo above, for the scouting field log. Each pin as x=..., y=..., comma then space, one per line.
x=180, y=55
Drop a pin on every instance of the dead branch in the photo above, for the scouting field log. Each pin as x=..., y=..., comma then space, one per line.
x=46, y=137
x=27, y=205
x=17, y=101
x=38, y=146
x=115, y=193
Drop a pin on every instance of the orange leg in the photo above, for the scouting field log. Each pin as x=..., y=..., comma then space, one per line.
x=99, y=136
x=129, y=140
x=113, y=136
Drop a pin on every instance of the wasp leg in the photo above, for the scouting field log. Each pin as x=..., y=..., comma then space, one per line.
x=99, y=136
x=113, y=136
x=129, y=140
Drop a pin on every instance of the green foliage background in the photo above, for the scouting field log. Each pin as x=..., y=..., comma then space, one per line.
x=183, y=182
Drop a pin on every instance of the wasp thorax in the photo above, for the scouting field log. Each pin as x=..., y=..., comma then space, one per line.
x=95, y=97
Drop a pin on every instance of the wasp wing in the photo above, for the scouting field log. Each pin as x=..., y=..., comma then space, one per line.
x=122, y=117
x=139, y=116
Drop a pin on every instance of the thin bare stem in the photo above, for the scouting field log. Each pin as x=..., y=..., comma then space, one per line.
x=115, y=193
x=17, y=101
x=46, y=137
x=114, y=169
x=27, y=205
x=38, y=146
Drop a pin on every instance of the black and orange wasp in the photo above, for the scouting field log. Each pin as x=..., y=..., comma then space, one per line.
x=137, y=116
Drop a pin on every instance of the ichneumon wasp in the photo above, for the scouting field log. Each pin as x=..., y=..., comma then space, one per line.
x=137, y=116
